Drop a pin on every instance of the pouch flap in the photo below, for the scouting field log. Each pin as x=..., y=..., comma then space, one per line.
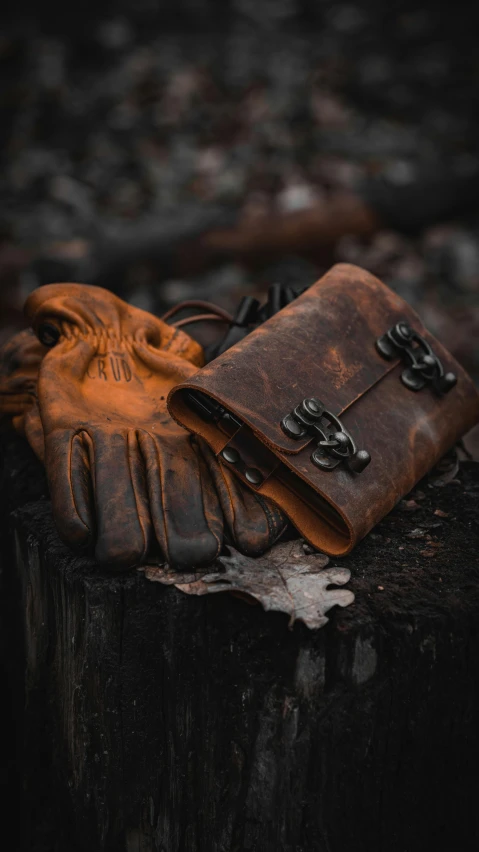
x=321, y=345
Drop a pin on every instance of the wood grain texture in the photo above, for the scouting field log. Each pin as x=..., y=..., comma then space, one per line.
x=170, y=723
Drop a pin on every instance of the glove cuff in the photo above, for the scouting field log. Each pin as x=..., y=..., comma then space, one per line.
x=57, y=310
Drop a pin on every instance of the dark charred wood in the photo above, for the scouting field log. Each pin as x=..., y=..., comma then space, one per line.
x=158, y=721
x=21, y=480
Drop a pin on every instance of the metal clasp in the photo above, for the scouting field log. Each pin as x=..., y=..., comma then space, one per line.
x=335, y=443
x=423, y=366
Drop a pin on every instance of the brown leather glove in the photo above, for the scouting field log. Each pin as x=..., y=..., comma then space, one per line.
x=252, y=523
x=20, y=359
x=121, y=472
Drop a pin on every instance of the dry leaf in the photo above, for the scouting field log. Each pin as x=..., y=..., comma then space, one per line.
x=284, y=579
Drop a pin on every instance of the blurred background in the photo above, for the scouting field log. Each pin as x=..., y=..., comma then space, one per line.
x=210, y=148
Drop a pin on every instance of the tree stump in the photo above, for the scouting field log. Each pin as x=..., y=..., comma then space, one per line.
x=158, y=722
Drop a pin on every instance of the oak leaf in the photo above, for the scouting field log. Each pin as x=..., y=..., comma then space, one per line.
x=285, y=579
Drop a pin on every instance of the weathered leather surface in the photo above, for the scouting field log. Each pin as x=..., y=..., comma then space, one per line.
x=124, y=477
x=323, y=345
x=20, y=359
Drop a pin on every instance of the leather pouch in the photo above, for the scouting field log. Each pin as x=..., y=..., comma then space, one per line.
x=333, y=408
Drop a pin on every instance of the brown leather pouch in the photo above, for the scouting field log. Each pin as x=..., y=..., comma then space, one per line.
x=334, y=408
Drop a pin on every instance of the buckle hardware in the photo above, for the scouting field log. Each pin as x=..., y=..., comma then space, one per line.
x=335, y=443
x=423, y=367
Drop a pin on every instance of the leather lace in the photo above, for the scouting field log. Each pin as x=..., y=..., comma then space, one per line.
x=213, y=313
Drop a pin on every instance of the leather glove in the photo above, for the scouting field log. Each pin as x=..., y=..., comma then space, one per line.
x=20, y=359
x=252, y=523
x=122, y=473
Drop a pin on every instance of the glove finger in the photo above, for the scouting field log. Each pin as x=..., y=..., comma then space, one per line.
x=186, y=515
x=66, y=462
x=253, y=522
x=124, y=529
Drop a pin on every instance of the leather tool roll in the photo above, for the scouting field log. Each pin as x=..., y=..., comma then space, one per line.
x=334, y=408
